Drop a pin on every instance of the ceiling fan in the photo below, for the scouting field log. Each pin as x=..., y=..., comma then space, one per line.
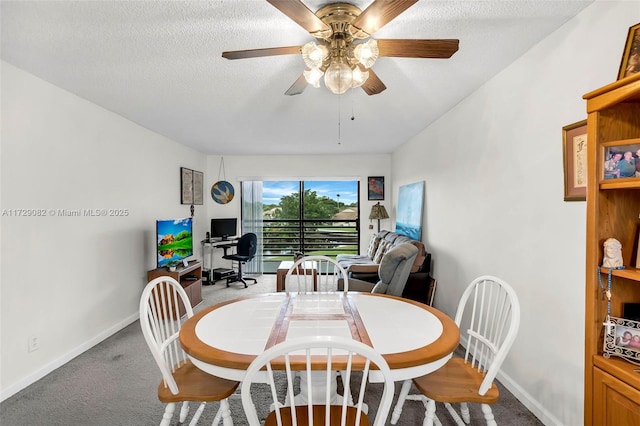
x=337, y=56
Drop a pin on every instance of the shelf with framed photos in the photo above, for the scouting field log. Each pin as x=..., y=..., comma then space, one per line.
x=612, y=386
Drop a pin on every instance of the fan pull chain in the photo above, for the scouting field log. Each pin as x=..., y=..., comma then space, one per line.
x=339, y=119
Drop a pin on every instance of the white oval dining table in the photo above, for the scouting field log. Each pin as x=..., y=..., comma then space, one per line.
x=414, y=338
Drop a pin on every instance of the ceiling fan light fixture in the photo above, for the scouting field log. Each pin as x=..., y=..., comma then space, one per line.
x=367, y=53
x=338, y=78
x=313, y=54
x=313, y=76
x=359, y=77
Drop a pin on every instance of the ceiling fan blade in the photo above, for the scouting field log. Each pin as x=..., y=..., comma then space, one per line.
x=373, y=85
x=302, y=15
x=377, y=15
x=402, y=48
x=256, y=53
x=297, y=87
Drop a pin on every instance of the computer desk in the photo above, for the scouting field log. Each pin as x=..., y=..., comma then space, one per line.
x=209, y=245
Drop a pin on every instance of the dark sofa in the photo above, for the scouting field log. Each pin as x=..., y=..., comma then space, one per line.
x=420, y=285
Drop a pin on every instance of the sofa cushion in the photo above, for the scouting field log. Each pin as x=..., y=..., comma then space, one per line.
x=382, y=250
x=373, y=246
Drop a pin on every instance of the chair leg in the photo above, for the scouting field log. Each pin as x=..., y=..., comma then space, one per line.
x=184, y=411
x=226, y=413
x=196, y=415
x=430, y=413
x=168, y=414
x=464, y=411
x=454, y=414
x=397, y=410
x=488, y=415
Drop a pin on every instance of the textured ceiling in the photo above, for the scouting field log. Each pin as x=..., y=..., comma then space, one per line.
x=159, y=64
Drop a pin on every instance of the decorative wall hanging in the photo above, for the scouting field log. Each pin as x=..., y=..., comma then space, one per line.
x=198, y=188
x=376, y=188
x=191, y=187
x=409, y=217
x=574, y=153
x=222, y=191
x=186, y=185
x=630, y=63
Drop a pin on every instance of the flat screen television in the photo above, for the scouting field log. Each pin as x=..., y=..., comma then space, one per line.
x=224, y=228
x=174, y=240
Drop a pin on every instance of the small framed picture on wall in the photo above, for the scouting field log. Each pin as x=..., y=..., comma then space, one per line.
x=375, y=187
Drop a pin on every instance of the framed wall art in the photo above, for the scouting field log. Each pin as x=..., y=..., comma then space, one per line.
x=630, y=63
x=574, y=153
x=375, y=186
x=409, y=215
x=198, y=188
x=186, y=186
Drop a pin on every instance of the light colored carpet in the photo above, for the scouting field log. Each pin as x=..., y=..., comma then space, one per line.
x=115, y=383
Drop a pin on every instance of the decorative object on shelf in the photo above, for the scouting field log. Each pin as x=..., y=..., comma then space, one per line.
x=612, y=254
x=409, y=217
x=622, y=339
x=574, y=153
x=619, y=161
x=378, y=212
x=630, y=63
x=186, y=185
x=375, y=186
x=222, y=191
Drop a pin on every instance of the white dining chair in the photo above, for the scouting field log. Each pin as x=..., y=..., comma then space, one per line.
x=314, y=354
x=162, y=304
x=315, y=273
x=488, y=316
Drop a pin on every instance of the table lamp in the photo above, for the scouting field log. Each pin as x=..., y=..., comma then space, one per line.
x=378, y=212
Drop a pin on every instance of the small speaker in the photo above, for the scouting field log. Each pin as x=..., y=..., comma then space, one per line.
x=631, y=311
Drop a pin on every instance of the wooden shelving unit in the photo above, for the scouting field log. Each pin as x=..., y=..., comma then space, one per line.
x=612, y=386
x=189, y=277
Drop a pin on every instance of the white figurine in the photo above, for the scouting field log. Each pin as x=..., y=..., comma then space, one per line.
x=612, y=253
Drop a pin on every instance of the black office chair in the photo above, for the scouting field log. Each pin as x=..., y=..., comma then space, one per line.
x=245, y=251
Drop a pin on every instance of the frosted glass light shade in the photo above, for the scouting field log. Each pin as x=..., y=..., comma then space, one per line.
x=359, y=77
x=367, y=53
x=313, y=76
x=313, y=55
x=338, y=78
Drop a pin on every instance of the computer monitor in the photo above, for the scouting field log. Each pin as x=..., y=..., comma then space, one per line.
x=224, y=228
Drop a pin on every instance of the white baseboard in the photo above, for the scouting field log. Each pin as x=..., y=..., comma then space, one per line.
x=527, y=400
x=51, y=366
x=523, y=396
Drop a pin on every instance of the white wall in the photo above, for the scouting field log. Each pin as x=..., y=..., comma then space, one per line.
x=73, y=281
x=494, y=200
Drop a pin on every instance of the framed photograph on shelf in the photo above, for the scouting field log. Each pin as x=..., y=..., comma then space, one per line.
x=620, y=160
x=574, y=153
x=622, y=339
x=186, y=186
x=375, y=188
x=630, y=63
x=198, y=188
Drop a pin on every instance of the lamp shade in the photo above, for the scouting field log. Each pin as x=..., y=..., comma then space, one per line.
x=338, y=77
x=378, y=212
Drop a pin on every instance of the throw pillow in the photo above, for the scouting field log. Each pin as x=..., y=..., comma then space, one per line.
x=373, y=246
x=382, y=249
